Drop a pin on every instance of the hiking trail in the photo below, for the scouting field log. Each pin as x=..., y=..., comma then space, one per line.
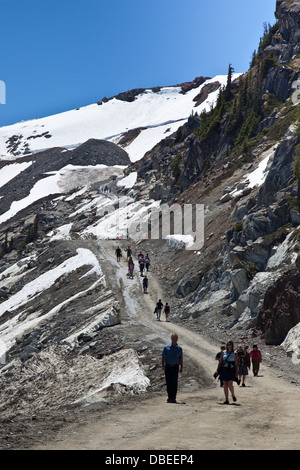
x=266, y=415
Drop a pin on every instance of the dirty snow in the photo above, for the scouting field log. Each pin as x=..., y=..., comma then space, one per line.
x=44, y=281
x=13, y=328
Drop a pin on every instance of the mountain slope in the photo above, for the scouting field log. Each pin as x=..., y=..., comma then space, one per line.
x=152, y=114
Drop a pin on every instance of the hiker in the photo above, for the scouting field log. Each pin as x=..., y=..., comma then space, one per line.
x=244, y=364
x=128, y=253
x=228, y=369
x=147, y=262
x=141, y=262
x=145, y=284
x=167, y=311
x=158, y=309
x=131, y=268
x=218, y=355
x=172, y=364
x=118, y=253
x=256, y=358
x=248, y=359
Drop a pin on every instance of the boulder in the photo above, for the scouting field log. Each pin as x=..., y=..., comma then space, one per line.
x=295, y=217
x=215, y=301
x=258, y=253
x=188, y=284
x=240, y=282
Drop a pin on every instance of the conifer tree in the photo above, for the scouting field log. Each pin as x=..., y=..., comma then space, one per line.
x=228, y=93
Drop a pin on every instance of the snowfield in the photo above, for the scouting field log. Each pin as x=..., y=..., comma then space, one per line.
x=159, y=113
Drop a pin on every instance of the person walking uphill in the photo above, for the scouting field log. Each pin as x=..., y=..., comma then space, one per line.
x=167, y=311
x=172, y=364
x=145, y=285
x=228, y=367
x=118, y=253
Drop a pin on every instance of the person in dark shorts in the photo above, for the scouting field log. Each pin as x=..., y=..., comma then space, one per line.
x=172, y=364
x=158, y=309
x=145, y=285
x=244, y=364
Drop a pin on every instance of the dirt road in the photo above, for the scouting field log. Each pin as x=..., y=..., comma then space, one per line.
x=265, y=416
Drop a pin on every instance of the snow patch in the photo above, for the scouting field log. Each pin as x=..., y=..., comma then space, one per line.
x=44, y=281
x=128, y=182
x=9, y=172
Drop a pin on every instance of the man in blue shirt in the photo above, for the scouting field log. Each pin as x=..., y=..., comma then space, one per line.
x=172, y=359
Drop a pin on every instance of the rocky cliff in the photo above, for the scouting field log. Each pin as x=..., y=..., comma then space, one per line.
x=288, y=36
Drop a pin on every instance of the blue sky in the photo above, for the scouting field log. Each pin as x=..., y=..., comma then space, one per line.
x=60, y=55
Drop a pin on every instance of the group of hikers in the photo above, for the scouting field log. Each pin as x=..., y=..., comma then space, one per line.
x=143, y=261
x=144, y=265
x=159, y=308
x=234, y=366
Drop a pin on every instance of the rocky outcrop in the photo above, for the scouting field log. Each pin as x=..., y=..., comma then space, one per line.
x=280, y=175
x=279, y=81
x=281, y=308
x=96, y=152
x=187, y=86
x=205, y=91
x=288, y=15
